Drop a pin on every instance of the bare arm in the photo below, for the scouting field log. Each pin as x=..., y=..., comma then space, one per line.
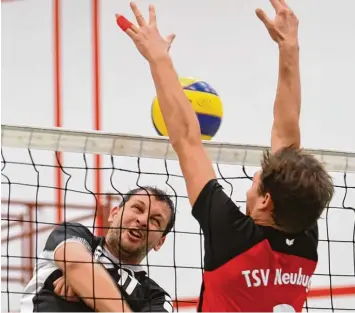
x=284, y=30
x=89, y=280
x=177, y=110
x=183, y=127
x=287, y=107
x=179, y=117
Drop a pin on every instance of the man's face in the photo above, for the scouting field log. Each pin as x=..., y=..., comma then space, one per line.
x=138, y=225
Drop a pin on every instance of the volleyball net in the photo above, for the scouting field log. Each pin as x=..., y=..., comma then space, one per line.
x=52, y=175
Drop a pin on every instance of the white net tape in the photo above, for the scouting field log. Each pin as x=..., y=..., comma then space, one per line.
x=149, y=147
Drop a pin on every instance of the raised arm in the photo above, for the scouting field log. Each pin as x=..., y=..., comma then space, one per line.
x=183, y=128
x=180, y=119
x=284, y=30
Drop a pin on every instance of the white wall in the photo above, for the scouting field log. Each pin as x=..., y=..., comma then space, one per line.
x=220, y=42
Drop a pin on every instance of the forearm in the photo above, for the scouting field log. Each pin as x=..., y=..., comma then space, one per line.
x=96, y=288
x=287, y=105
x=179, y=116
x=89, y=280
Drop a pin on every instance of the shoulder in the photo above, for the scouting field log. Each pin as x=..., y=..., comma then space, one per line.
x=75, y=230
x=70, y=231
x=74, y=225
x=227, y=231
x=159, y=298
x=210, y=189
x=217, y=213
x=155, y=291
x=212, y=196
x=153, y=287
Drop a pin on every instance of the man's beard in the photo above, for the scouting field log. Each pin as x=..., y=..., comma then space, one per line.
x=122, y=249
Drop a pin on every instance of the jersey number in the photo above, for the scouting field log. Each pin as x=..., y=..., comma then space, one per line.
x=283, y=308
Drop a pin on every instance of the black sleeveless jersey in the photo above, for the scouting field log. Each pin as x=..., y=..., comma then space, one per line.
x=137, y=289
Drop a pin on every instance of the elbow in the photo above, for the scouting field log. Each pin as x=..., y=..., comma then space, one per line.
x=285, y=137
x=187, y=131
x=287, y=124
x=287, y=115
x=190, y=137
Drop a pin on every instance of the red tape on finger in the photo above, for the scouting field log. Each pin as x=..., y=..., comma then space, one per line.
x=123, y=23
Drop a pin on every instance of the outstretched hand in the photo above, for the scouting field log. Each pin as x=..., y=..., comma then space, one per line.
x=146, y=35
x=284, y=28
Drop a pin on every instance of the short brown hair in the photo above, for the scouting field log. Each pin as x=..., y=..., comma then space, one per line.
x=159, y=195
x=299, y=186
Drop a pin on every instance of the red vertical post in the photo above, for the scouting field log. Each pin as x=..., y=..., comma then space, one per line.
x=57, y=100
x=31, y=237
x=25, y=277
x=97, y=106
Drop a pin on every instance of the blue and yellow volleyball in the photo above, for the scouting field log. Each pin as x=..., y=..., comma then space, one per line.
x=205, y=102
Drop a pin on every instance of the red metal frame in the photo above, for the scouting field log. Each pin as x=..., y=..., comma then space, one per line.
x=23, y=273
x=95, y=7
x=57, y=63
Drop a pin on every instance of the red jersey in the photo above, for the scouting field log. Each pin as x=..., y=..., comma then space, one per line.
x=250, y=267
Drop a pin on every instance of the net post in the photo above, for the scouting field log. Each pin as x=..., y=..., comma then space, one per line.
x=95, y=5
x=57, y=64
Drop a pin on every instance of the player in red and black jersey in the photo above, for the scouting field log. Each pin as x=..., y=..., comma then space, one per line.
x=262, y=261
x=249, y=264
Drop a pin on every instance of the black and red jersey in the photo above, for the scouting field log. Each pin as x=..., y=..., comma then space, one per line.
x=250, y=267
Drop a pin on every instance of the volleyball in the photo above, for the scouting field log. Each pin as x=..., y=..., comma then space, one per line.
x=205, y=102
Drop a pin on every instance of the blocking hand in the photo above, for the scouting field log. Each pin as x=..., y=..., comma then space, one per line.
x=146, y=36
x=284, y=28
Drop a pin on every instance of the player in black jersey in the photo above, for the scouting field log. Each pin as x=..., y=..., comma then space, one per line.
x=104, y=272
x=261, y=261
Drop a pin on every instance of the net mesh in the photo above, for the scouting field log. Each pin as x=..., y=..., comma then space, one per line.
x=29, y=207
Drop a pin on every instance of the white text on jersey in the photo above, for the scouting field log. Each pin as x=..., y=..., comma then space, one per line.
x=261, y=277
